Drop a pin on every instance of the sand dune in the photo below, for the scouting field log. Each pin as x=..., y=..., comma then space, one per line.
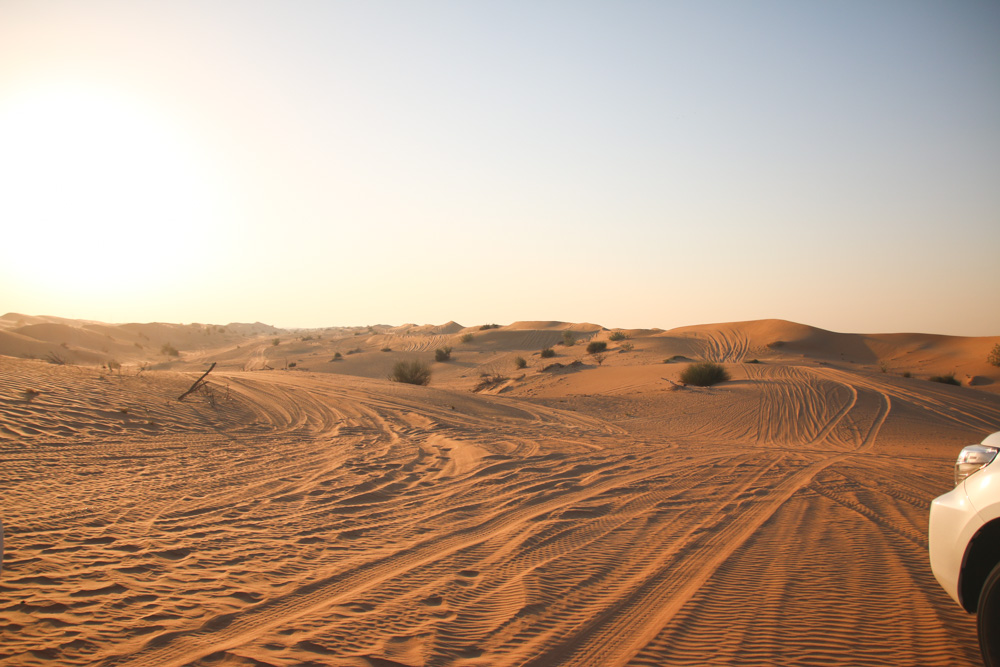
x=586, y=514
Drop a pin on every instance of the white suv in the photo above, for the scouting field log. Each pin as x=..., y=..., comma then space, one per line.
x=964, y=540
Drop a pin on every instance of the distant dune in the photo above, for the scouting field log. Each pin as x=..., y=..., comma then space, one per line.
x=575, y=509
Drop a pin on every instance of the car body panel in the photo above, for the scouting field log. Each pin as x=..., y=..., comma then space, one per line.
x=953, y=522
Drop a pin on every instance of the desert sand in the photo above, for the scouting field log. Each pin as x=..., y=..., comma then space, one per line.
x=306, y=511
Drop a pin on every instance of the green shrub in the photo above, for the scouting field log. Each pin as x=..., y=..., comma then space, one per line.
x=548, y=352
x=994, y=356
x=442, y=353
x=519, y=362
x=704, y=374
x=411, y=372
x=568, y=339
x=945, y=379
x=466, y=338
x=617, y=335
x=595, y=346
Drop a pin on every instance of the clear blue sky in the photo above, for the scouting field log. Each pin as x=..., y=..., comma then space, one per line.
x=633, y=164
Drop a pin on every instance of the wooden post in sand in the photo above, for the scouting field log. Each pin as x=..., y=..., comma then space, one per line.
x=197, y=383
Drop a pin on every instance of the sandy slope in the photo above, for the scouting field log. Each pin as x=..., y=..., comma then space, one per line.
x=583, y=515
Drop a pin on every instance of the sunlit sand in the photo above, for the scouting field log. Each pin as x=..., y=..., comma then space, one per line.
x=306, y=510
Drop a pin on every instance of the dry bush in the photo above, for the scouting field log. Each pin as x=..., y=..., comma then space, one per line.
x=596, y=346
x=519, y=362
x=704, y=374
x=548, y=352
x=994, y=356
x=945, y=379
x=617, y=335
x=411, y=372
x=442, y=353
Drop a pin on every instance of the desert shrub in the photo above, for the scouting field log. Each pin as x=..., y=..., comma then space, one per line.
x=386, y=349
x=599, y=357
x=994, y=356
x=169, y=350
x=466, y=338
x=292, y=364
x=489, y=326
x=411, y=372
x=704, y=374
x=276, y=342
x=442, y=353
x=337, y=356
x=356, y=350
x=752, y=361
x=907, y=374
x=617, y=335
x=627, y=347
x=595, y=346
x=489, y=380
x=56, y=359
x=548, y=352
x=945, y=379
x=519, y=362
x=568, y=339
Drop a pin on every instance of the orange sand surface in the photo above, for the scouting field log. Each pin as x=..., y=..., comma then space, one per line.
x=581, y=514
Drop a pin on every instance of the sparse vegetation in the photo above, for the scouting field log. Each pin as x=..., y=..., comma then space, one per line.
x=595, y=346
x=599, y=357
x=411, y=372
x=169, y=350
x=386, y=349
x=489, y=326
x=945, y=379
x=519, y=363
x=442, y=353
x=356, y=350
x=617, y=335
x=704, y=374
x=337, y=356
x=489, y=380
x=548, y=352
x=276, y=342
x=568, y=339
x=994, y=356
x=292, y=364
x=627, y=347
x=907, y=374
x=752, y=361
x=56, y=359
x=466, y=338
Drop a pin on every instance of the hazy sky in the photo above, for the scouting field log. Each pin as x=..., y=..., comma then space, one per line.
x=632, y=164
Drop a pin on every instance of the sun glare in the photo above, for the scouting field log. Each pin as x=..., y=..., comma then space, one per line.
x=100, y=191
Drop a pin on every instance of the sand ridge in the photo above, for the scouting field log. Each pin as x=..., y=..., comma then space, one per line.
x=593, y=514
